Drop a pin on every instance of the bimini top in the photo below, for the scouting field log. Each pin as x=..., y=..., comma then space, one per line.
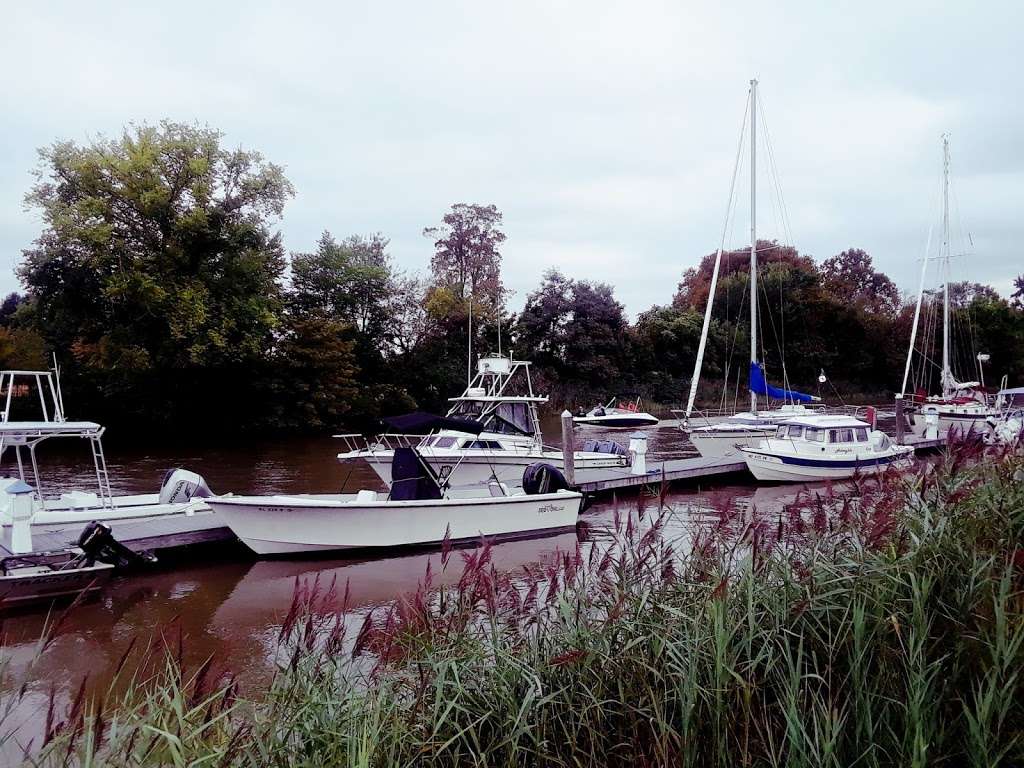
x=826, y=422
x=419, y=422
x=1011, y=391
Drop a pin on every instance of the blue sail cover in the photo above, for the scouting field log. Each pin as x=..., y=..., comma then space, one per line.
x=760, y=386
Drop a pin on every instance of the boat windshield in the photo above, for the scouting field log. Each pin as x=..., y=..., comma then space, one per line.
x=505, y=418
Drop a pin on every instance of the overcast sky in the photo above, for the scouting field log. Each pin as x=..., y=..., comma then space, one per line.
x=605, y=132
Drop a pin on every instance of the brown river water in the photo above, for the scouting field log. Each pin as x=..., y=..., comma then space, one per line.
x=229, y=605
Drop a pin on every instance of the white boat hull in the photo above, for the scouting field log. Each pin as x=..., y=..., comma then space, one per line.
x=794, y=469
x=719, y=443
x=954, y=423
x=282, y=525
x=618, y=421
x=477, y=470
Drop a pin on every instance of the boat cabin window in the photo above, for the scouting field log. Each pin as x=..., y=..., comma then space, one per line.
x=840, y=436
x=483, y=445
x=795, y=431
x=815, y=435
x=443, y=442
x=862, y=434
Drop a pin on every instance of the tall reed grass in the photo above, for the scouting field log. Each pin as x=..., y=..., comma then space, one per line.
x=877, y=626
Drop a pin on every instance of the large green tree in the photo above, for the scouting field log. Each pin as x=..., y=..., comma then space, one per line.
x=157, y=250
x=157, y=271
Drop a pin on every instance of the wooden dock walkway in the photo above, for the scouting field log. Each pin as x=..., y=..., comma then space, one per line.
x=613, y=478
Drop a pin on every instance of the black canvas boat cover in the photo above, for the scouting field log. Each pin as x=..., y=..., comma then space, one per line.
x=412, y=479
x=420, y=423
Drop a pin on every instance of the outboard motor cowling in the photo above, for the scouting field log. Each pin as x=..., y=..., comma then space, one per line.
x=541, y=477
x=98, y=543
x=181, y=485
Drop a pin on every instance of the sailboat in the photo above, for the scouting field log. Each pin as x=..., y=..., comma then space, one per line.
x=961, y=407
x=727, y=435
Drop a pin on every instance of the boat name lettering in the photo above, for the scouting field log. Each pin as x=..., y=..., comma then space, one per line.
x=549, y=508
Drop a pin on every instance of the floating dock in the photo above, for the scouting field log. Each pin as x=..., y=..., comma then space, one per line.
x=614, y=478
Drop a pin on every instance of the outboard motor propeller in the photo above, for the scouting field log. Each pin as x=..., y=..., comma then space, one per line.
x=181, y=485
x=541, y=477
x=98, y=543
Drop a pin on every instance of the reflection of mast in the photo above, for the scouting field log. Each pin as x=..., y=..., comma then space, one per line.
x=753, y=235
x=947, y=374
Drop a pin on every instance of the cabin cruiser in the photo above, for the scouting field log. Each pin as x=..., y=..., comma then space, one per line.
x=508, y=440
x=181, y=492
x=823, y=448
x=422, y=508
x=621, y=412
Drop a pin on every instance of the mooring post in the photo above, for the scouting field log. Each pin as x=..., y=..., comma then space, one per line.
x=901, y=420
x=569, y=448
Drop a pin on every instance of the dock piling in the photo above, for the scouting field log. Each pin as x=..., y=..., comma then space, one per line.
x=569, y=448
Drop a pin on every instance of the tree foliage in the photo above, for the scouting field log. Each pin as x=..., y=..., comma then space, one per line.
x=156, y=251
x=467, y=256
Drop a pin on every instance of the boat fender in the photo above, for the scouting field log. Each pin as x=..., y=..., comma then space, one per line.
x=181, y=485
x=98, y=543
x=541, y=477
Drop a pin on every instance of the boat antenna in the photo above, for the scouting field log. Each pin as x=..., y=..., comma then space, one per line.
x=469, y=345
x=753, y=235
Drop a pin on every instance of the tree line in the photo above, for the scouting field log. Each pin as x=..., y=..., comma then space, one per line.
x=162, y=287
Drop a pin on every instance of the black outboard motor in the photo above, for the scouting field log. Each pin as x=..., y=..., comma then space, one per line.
x=541, y=477
x=98, y=543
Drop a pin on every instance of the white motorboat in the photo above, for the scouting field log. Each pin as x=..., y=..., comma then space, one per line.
x=420, y=510
x=727, y=434
x=489, y=433
x=824, y=448
x=621, y=412
x=181, y=492
x=960, y=407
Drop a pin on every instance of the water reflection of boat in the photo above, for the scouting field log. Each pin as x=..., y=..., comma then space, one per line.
x=263, y=594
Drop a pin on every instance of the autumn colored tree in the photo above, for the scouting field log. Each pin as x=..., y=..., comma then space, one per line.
x=851, y=274
x=467, y=256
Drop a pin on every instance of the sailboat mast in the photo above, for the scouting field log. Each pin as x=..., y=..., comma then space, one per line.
x=753, y=234
x=947, y=375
